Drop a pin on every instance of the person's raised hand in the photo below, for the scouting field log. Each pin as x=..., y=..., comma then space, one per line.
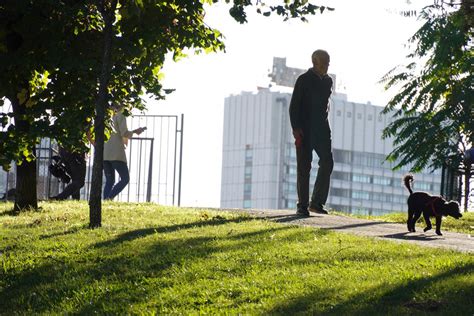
x=139, y=130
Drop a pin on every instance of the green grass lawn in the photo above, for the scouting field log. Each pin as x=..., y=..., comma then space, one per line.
x=462, y=225
x=150, y=259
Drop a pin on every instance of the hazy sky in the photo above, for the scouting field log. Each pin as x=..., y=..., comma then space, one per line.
x=365, y=38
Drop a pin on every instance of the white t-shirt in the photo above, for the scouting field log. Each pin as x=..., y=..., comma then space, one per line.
x=114, y=148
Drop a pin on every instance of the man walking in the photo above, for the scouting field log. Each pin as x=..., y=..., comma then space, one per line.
x=309, y=121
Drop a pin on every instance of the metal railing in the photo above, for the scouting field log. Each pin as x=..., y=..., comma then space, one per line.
x=154, y=161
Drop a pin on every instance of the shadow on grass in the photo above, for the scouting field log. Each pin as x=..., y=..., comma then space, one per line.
x=168, y=260
x=284, y=218
x=400, y=297
x=9, y=212
x=140, y=233
x=304, y=305
x=355, y=225
x=46, y=287
x=406, y=236
x=70, y=231
x=13, y=212
x=110, y=277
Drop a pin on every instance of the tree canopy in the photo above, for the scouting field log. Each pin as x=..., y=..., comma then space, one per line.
x=50, y=54
x=32, y=48
x=64, y=62
x=434, y=109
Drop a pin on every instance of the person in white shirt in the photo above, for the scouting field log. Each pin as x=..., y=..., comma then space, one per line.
x=114, y=155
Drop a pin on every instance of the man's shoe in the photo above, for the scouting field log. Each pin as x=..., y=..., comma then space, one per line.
x=302, y=212
x=319, y=209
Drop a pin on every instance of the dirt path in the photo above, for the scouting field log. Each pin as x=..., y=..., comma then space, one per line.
x=377, y=229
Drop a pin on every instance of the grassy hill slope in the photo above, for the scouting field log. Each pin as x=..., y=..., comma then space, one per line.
x=150, y=259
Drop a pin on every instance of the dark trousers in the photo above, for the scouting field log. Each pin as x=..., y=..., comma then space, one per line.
x=112, y=189
x=76, y=168
x=304, y=156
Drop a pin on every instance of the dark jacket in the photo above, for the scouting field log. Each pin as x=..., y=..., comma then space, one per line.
x=72, y=158
x=309, y=104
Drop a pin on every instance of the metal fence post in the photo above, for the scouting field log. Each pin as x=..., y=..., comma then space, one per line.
x=180, y=160
x=150, y=173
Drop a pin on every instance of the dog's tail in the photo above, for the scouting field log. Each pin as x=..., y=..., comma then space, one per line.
x=408, y=179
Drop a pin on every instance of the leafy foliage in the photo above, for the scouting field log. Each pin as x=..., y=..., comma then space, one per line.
x=290, y=9
x=64, y=62
x=50, y=54
x=42, y=78
x=435, y=119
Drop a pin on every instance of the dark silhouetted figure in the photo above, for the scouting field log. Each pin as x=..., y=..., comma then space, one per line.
x=428, y=205
x=75, y=164
x=309, y=120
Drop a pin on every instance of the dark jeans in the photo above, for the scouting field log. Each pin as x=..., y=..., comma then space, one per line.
x=76, y=167
x=112, y=189
x=304, y=156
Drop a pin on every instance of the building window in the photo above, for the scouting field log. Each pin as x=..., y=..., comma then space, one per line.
x=369, y=117
x=248, y=174
x=248, y=156
x=339, y=175
x=399, y=199
x=360, y=195
x=359, y=116
x=339, y=192
x=248, y=152
x=349, y=114
x=247, y=189
x=358, y=158
x=342, y=156
x=423, y=186
x=338, y=113
x=382, y=181
x=361, y=178
x=291, y=187
x=292, y=170
x=248, y=171
x=247, y=204
x=290, y=150
x=291, y=204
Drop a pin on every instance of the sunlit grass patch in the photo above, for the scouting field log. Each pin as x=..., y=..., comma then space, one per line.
x=154, y=259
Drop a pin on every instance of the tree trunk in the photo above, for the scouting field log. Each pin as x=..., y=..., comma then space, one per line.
x=467, y=186
x=25, y=195
x=95, y=203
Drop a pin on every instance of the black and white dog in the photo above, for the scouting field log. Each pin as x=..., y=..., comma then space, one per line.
x=430, y=206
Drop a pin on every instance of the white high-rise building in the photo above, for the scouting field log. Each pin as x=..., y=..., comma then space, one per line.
x=259, y=158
